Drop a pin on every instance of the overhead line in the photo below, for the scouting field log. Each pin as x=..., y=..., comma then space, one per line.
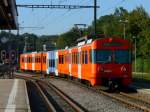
x=56, y=6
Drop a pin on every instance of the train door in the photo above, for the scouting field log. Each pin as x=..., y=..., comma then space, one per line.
x=33, y=61
x=56, y=63
x=47, y=63
x=79, y=63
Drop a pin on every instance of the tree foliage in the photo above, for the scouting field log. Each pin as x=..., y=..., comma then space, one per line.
x=138, y=25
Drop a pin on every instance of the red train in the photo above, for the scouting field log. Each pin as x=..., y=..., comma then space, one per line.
x=104, y=61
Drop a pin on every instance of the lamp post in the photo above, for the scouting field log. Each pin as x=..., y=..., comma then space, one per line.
x=134, y=53
x=124, y=27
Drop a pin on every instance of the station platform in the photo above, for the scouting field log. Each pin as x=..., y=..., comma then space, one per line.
x=13, y=96
x=144, y=91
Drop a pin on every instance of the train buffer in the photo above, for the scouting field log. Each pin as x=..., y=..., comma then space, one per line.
x=13, y=96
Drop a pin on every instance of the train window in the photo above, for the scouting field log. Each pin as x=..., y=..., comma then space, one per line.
x=66, y=58
x=39, y=59
x=75, y=58
x=35, y=60
x=89, y=52
x=23, y=60
x=53, y=63
x=61, y=59
x=72, y=57
x=44, y=59
x=83, y=57
x=86, y=57
x=49, y=63
x=29, y=59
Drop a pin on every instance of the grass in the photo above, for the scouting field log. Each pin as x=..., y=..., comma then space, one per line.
x=141, y=76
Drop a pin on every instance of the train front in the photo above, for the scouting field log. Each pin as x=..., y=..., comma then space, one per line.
x=112, y=61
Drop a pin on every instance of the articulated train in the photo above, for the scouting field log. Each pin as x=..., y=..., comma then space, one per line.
x=104, y=61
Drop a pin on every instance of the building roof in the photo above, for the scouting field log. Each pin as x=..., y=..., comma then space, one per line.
x=8, y=14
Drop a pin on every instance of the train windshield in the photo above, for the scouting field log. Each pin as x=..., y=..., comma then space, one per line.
x=104, y=56
x=122, y=56
x=111, y=56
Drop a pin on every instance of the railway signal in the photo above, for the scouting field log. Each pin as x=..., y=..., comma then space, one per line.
x=3, y=55
x=13, y=55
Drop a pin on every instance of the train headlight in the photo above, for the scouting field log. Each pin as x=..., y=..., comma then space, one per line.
x=123, y=69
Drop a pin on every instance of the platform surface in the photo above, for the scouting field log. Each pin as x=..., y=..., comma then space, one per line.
x=13, y=96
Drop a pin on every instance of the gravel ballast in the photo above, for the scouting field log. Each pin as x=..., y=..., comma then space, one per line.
x=92, y=101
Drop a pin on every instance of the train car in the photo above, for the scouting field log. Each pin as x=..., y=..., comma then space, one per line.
x=105, y=61
x=111, y=60
x=52, y=60
x=34, y=62
x=63, y=62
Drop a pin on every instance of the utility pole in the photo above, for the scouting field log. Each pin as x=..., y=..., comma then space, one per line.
x=124, y=27
x=134, y=53
x=95, y=16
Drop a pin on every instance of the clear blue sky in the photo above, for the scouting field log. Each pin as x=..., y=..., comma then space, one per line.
x=57, y=21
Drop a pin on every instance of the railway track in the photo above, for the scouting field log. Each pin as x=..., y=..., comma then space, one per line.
x=54, y=99
x=125, y=98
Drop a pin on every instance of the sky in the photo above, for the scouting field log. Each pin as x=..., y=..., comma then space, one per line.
x=58, y=21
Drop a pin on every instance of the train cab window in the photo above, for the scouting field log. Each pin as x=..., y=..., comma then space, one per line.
x=122, y=56
x=103, y=56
